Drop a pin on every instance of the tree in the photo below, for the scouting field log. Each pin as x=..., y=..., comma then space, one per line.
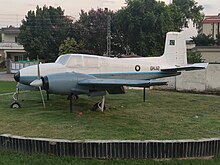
x=190, y=10
x=194, y=57
x=91, y=30
x=203, y=40
x=218, y=39
x=69, y=46
x=143, y=24
x=42, y=31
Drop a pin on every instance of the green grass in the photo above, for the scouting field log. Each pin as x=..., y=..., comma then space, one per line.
x=2, y=69
x=7, y=158
x=165, y=115
x=6, y=87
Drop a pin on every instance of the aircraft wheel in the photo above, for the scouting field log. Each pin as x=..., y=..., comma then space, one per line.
x=15, y=105
x=73, y=97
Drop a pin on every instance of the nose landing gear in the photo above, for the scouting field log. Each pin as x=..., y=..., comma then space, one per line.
x=15, y=104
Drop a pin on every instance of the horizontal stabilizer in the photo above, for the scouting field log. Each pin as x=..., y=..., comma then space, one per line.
x=196, y=66
x=120, y=82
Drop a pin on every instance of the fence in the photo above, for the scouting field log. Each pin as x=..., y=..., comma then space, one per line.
x=117, y=149
x=13, y=67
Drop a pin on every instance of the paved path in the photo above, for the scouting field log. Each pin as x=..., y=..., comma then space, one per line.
x=6, y=77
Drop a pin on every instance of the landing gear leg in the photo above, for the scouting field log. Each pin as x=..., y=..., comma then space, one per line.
x=72, y=97
x=15, y=104
x=48, y=97
x=144, y=94
x=71, y=104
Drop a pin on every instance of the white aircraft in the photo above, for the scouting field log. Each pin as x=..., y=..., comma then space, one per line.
x=75, y=74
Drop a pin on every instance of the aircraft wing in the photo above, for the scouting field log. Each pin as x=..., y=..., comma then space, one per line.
x=196, y=66
x=120, y=82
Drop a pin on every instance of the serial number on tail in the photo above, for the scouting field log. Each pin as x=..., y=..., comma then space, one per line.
x=154, y=68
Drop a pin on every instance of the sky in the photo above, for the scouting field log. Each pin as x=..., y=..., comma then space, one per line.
x=13, y=11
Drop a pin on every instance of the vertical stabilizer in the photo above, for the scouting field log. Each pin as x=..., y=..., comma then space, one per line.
x=175, y=49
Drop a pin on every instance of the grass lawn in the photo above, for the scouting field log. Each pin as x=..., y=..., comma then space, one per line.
x=7, y=158
x=6, y=87
x=165, y=115
x=2, y=69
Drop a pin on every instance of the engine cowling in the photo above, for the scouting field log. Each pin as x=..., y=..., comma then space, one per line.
x=65, y=83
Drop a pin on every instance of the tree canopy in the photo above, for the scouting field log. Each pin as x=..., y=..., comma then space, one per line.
x=203, y=40
x=139, y=27
x=91, y=30
x=142, y=24
x=42, y=31
x=69, y=46
x=194, y=57
x=218, y=39
x=190, y=10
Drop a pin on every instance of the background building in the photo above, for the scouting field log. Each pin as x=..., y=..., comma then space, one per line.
x=210, y=26
x=9, y=47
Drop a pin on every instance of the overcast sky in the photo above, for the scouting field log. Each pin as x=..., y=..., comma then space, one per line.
x=13, y=11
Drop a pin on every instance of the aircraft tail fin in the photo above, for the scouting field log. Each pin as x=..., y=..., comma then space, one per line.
x=175, y=49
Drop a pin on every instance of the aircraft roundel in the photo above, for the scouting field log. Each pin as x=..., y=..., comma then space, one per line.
x=137, y=68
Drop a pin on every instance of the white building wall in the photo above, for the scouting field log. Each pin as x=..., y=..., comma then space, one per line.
x=213, y=77
x=207, y=80
x=207, y=29
x=213, y=57
x=191, y=81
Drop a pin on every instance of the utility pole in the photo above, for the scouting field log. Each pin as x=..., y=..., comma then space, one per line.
x=108, y=53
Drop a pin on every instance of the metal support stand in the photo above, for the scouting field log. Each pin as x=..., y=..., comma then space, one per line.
x=103, y=103
x=144, y=94
x=71, y=104
x=100, y=105
x=48, y=97
x=72, y=97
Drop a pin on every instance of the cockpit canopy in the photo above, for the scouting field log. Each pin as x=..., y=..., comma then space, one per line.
x=79, y=60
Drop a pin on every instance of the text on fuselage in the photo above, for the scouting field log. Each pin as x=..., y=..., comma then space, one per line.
x=152, y=68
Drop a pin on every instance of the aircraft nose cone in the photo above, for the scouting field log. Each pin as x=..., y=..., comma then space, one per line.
x=17, y=76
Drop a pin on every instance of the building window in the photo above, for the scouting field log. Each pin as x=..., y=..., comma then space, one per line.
x=16, y=58
x=172, y=42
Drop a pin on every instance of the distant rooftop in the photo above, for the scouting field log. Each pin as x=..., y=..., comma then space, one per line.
x=10, y=30
x=212, y=19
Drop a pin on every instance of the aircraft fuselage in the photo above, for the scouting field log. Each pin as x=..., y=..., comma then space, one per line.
x=100, y=67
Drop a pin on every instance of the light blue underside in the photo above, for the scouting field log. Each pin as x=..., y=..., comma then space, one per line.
x=117, y=75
